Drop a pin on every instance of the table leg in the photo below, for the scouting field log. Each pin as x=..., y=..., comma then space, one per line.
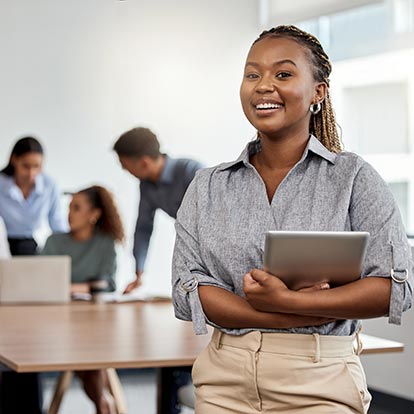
x=164, y=386
x=62, y=385
x=169, y=381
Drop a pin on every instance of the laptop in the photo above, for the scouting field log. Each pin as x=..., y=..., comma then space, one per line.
x=35, y=279
x=305, y=258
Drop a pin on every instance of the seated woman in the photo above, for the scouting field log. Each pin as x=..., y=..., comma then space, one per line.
x=95, y=226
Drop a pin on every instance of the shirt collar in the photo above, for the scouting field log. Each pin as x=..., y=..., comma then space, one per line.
x=253, y=147
x=167, y=174
x=39, y=187
x=15, y=191
x=318, y=148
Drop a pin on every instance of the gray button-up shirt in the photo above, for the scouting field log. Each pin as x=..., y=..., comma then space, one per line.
x=167, y=195
x=225, y=213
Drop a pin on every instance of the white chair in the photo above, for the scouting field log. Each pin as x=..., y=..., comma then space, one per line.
x=186, y=395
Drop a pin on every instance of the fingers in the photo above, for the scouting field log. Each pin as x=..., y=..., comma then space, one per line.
x=133, y=285
x=128, y=289
x=259, y=276
x=315, y=288
x=249, y=283
x=248, y=279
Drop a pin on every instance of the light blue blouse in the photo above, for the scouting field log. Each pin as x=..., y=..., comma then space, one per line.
x=24, y=216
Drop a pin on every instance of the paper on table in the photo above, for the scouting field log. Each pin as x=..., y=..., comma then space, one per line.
x=134, y=296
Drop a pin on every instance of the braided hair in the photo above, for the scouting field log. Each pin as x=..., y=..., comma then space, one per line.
x=322, y=124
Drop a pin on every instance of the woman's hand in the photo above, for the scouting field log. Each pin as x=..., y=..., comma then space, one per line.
x=232, y=311
x=266, y=292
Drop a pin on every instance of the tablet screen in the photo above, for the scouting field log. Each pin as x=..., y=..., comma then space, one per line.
x=305, y=258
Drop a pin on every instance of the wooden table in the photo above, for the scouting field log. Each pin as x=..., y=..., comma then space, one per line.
x=84, y=336
x=88, y=336
x=95, y=336
x=375, y=345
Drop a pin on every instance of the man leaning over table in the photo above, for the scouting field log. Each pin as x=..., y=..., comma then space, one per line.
x=163, y=183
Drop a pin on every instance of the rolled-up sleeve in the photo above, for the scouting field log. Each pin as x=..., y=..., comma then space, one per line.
x=374, y=209
x=188, y=269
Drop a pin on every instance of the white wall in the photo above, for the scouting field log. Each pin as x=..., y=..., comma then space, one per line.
x=390, y=373
x=78, y=73
x=372, y=71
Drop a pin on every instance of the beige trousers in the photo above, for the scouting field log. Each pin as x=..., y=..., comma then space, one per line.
x=280, y=373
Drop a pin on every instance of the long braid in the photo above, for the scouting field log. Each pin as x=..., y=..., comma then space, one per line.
x=323, y=124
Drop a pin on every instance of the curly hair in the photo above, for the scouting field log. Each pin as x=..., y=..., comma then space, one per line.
x=109, y=222
x=323, y=124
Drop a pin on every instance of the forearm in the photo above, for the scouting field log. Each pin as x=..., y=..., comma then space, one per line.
x=364, y=299
x=80, y=288
x=141, y=243
x=229, y=310
x=143, y=231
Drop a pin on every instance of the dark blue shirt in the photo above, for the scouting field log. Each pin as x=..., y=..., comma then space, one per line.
x=165, y=194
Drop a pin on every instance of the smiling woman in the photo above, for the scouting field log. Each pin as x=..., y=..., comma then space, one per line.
x=288, y=73
x=294, y=176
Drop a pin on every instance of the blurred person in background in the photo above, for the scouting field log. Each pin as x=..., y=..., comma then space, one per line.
x=163, y=183
x=95, y=227
x=28, y=197
x=4, y=245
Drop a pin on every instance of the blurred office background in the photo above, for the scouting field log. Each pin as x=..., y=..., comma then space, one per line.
x=76, y=74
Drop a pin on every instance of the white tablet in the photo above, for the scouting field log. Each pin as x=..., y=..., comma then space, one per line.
x=306, y=258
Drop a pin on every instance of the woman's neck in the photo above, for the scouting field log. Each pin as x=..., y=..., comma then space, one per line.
x=281, y=153
x=83, y=234
x=276, y=158
x=26, y=189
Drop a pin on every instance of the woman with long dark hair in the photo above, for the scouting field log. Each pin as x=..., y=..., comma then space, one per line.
x=28, y=197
